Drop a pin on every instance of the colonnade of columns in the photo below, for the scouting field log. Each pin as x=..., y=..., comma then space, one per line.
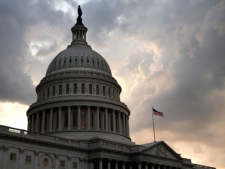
x=79, y=34
x=79, y=118
x=115, y=164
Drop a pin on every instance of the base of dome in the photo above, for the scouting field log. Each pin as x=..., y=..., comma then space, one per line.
x=88, y=135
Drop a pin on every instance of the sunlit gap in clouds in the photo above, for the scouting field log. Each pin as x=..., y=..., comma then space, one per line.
x=35, y=46
x=66, y=7
x=13, y=115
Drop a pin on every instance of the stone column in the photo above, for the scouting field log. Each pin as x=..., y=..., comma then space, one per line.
x=152, y=166
x=35, y=160
x=100, y=163
x=97, y=119
x=28, y=127
x=120, y=122
x=146, y=165
x=69, y=118
x=108, y=164
x=88, y=118
x=114, y=121
x=116, y=165
x=5, y=157
x=123, y=165
x=106, y=120
x=139, y=165
x=102, y=117
x=32, y=125
x=128, y=128
x=21, y=158
x=78, y=118
x=69, y=163
x=91, y=164
x=43, y=122
x=124, y=125
x=60, y=119
x=50, y=124
x=37, y=122
x=130, y=166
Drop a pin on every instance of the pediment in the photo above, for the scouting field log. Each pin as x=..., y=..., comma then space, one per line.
x=161, y=149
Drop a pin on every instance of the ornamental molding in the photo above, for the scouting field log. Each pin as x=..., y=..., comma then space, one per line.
x=161, y=151
x=79, y=73
x=21, y=151
x=61, y=103
x=79, y=82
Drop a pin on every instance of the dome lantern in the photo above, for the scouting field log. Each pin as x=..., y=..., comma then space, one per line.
x=79, y=30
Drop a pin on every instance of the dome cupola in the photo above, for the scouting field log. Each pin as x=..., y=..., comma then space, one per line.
x=79, y=98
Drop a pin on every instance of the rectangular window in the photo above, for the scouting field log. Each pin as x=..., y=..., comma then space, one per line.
x=60, y=89
x=97, y=89
x=28, y=159
x=103, y=90
x=75, y=88
x=53, y=92
x=90, y=88
x=74, y=165
x=62, y=164
x=12, y=157
x=67, y=88
x=82, y=88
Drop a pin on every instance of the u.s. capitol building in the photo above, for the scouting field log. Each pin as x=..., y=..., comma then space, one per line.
x=79, y=122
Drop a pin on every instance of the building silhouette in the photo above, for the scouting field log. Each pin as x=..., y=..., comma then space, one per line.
x=79, y=122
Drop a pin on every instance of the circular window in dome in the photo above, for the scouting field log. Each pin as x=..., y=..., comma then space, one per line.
x=45, y=162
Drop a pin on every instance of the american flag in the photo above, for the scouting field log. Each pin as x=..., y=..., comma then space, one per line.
x=157, y=113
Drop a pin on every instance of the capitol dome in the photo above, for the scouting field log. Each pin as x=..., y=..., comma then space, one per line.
x=78, y=57
x=79, y=98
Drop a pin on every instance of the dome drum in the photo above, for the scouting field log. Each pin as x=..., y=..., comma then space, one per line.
x=83, y=120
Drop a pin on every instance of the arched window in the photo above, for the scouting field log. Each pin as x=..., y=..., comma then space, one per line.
x=60, y=89
x=64, y=61
x=48, y=92
x=97, y=89
x=55, y=63
x=90, y=88
x=83, y=88
x=109, y=92
x=103, y=90
x=76, y=59
x=82, y=60
x=43, y=93
x=53, y=91
x=67, y=88
x=74, y=88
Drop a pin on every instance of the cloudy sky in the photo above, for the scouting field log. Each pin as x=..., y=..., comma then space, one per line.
x=166, y=54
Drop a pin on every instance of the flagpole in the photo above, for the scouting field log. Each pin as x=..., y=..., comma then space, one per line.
x=153, y=124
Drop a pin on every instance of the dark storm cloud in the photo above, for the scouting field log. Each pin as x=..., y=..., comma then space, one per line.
x=16, y=18
x=181, y=70
x=190, y=83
